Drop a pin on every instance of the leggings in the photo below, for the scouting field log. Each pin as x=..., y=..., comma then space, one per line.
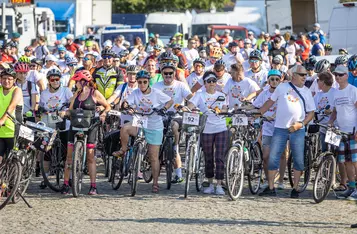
x=6, y=144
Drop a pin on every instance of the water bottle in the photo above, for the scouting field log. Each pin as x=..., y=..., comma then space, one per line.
x=246, y=154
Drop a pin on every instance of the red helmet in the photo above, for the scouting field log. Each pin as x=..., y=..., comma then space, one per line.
x=21, y=67
x=82, y=75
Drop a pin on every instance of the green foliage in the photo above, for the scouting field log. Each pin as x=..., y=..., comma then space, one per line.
x=147, y=6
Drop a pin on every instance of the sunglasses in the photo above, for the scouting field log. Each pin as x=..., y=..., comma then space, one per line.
x=339, y=75
x=107, y=57
x=142, y=82
x=27, y=50
x=211, y=81
x=72, y=65
x=85, y=59
x=54, y=79
x=253, y=61
x=62, y=52
x=168, y=73
x=198, y=65
x=301, y=74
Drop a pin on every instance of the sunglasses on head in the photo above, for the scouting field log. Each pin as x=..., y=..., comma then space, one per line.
x=168, y=73
x=209, y=81
x=142, y=82
x=54, y=79
x=107, y=56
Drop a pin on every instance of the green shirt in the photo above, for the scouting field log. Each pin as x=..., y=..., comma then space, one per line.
x=8, y=130
x=155, y=79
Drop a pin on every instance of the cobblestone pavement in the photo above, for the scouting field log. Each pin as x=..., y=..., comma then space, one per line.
x=168, y=212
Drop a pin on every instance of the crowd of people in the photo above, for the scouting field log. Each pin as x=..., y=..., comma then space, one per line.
x=280, y=74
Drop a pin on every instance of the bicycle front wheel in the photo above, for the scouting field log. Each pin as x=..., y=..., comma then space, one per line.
x=10, y=176
x=324, y=177
x=77, y=167
x=256, y=168
x=138, y=156
x=169, y=156
x=189, y=169
x=117, y=172
x=235, y=172
x=200, y=172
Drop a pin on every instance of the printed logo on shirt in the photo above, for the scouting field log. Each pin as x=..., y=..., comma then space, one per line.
x=209, y=102
x=53, y=103
x=236, y=91
x=169, y=92
x=145, y=105
x=342, y=101
x=292, y=96
x=220, y=85
x=322, y=103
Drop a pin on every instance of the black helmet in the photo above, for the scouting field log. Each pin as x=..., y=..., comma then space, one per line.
x=123, y=53
x=39, y=62
x=8, y=71
x=167, y=56
x=340, y=60
x=108, y=52
x=256, y=54
x=322, y=66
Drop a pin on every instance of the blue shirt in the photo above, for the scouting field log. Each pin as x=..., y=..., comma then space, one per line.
x=316, y=48
x=352, y=80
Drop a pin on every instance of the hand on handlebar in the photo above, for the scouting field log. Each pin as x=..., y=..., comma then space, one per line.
x=217, y=110
x=100, y=108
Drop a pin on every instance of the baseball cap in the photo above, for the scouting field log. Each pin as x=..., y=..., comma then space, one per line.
x=247, y=41
x=250, y=33
x=212, y=40
x=151, y=35
x=317, y=25
x=209, y=76
x=70, y=37
x=82, y=38
x=293, y=38
x=51, y=57
x=266, y=35
x=108, y=43
x=16, y=35
x=265, y=43
x=221, y=41
x=232, y=44
x=61, y=48
x=277, y=31
x=278, y=59
x=340, y=69
x=126, y=43
x=227, y=31
x=314, y=37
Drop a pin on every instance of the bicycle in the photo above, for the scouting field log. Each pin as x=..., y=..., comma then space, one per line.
x=326, y=172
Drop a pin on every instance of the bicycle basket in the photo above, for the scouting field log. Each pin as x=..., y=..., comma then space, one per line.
x=199, y=128
x=313, y=128
x=81, y=118
x=45, y=136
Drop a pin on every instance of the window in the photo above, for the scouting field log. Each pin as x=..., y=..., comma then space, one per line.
x=162, y=29
x=61, y=26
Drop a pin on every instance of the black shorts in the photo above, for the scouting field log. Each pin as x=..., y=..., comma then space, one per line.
x=6, y=144
x=91, y=135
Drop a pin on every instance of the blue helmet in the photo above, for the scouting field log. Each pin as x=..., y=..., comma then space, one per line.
x=143, y=74
x=352, y=62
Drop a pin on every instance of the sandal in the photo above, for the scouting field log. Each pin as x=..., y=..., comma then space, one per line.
x=155, y=188
x=120, y=153
x=340, y=188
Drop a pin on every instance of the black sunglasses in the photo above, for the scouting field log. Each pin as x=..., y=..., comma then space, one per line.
x=211, y=81
x=168, y=73
x=301, y=74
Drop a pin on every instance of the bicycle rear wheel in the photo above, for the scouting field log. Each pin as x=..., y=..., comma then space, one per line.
x=169, y=163
x=77, y=168
x=324, y=178
x=189, y=169
x=137, y=156
x=235, y=172
x=256, y=168
x=200, y=172
x=10, y=176
x=117, y=172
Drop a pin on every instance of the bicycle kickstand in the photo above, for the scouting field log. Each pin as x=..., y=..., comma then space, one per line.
x=24, y=199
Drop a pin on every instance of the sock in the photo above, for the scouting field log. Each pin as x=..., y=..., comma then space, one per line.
x=176, y=148
x=352, y=184
x=178, y=172
x=66, y=182
x=94, y=185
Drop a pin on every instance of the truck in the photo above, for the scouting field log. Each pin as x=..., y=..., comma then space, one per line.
x=236, y=31
x=202, y=21
x=129, y=19
x=72, y=16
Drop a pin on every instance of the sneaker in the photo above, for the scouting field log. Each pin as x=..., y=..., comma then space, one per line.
x=92, y=191
x=294, y=193
x=268, y=192
x=281, y=186
x=264, y=186
x=209, y=190
x=177, y=180
x=346, y=193
x=65, y=189
x=353, y=196
x=219, y=190
x=140, y=175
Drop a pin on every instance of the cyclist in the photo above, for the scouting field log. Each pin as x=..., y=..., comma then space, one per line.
x=107, y=77
x=352, y=68
x=180, y=73
x=345, y=114
x=215, y=134
x=34, y=76
x=50, y=64
x=341, y=60
x=6, y=54
x=232, y=56
x=309, y=65
x=10, y=98
x=215, y=54
x=317, y=48
x=29, y=52
x=146, y=99
x=321, y=66
x=278, y=50
x=245, y=52
x=86, y=98
x=256, y=72
x=61, y=61
x=197, y=74
x=182, y=64
x=178, y=92
x=328, y=49
x=151, y=69
x=71, y=63
x=342, y=51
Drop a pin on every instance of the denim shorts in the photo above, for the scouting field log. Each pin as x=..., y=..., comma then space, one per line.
x=266, y=140
x=278, y=144
x=153, y=136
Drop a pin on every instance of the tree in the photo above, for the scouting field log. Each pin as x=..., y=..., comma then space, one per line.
x=147, y=6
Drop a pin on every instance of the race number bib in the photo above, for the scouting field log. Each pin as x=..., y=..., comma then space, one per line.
x=191, y=119
x=27, y=133
x=240, y=121
x=53, y=118
x=332, y=138
x=140, y=121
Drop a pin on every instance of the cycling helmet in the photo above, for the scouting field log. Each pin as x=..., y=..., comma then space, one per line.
x=175, y=46
x=314, y=37
x=256, y=54
x=70, y=60
x=21, y=67
x=108, y=52
x=199, y=60
x=274, y=72
x=53, y=72
x=8, y=71
x=143, y=74
x=328, y=47
x=215, y=52
x=352, y=63
x=312, y=60
x=342, y=51
x=28, y=48
x=24, y=59
x=123, y=53
x=340, y=60
x=167, y=56
x=82, y=75
x=219, y=62
x=132, y=69
x=232, y=44
x=176, y=59
x=37, y=62
x=61, y=48
x=157, y=47
x=322, y=66
x=168, y=64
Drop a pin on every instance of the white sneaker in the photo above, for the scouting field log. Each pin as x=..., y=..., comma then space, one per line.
x=209, y=190
x=281, y=186
x=264, y=186
x=219, y=190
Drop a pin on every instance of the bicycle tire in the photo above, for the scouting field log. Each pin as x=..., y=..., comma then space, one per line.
x=169, y=157
x=146, y=167
x=200, y=172
x=10, y=175
x=56, y=167
x=324, y=177
x=307, y=170
x=256, y=168
x=136, y=167
x=117, y=175
x=234, y=172
x=77, y=169
x=110, y=167
x=189, y=169
x=105, y=158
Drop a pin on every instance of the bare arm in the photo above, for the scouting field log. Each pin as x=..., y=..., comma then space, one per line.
x=35, y=101
x=102, y=101
x=196, y=87
x=169, y=104
x=266, y=106
x=308, y=118
x=333, y=116
x=41, y=85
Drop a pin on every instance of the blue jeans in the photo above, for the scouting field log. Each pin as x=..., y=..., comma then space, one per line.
x=278, y=144
x=323, y=143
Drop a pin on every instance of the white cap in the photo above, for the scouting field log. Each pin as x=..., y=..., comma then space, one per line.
x=212, y=40
x=216, y=44
x=51, y=57
x=317, y=25
x=98, y=58
x=250, y=33
x=70, y=36
x=247, y=41
x=227, y=31
x=126, y=43
x=108, y=43
x=277, y=31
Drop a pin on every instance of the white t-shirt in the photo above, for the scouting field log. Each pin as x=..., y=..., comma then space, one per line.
x=204, y=100
x=209, y=66
x=268, y=127
x=321, y=101
x=221, y=83
x=54, y=101
x=315, y=88
x=260, y=77
x=231, y=59
x=245, y=53
x=34, y=76
x=344, y=103
x=291, y=49
x=178, y=91
x=41, y=51
x=145, y=103
x=26, y=95
x=266, y=62
x=126, y=92
x=290, y=107
x=190, y=54
x=117, y=49
x=237, y=90
x=192, y=79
